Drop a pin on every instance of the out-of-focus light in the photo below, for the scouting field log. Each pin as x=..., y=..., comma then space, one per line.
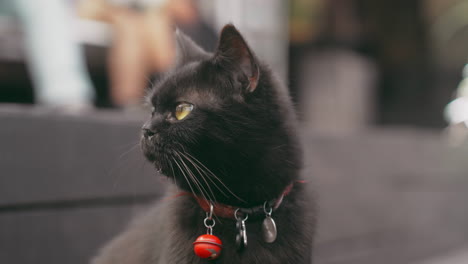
x=457, y=111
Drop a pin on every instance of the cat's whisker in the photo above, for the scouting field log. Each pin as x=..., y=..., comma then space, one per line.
x=205, y=176
x=204, y=169
x=173, y=173
x=202, y=176
x=188, y=182
x=148, y=79
x=278, y=147
x=214, y=201
x=195, y=180
x=129, y=150
x=128, y=144
x=216, y=177
x=210, y=175
x=119, y=163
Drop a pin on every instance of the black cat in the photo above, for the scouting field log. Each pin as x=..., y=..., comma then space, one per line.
x=223, y=129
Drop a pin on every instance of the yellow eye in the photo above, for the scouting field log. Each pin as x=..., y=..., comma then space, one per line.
x=183, y=110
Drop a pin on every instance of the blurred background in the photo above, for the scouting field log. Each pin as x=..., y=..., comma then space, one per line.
x=381, y=89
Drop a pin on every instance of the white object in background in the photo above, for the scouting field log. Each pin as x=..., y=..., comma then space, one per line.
x=456, y=114
x=457, y=110
x=54, y=56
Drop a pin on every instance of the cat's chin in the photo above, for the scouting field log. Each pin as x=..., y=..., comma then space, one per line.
x=151, y=157
x=151, y=154
x=157, y=165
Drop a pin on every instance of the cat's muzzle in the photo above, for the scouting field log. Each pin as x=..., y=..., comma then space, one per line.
x=150, y=144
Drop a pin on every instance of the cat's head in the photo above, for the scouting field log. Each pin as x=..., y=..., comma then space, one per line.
x=220, y=124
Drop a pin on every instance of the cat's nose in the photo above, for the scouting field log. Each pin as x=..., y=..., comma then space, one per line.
x=148, y=132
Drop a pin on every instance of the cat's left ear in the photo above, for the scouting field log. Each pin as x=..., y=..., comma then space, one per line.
x=233, y=49
x=187, y=50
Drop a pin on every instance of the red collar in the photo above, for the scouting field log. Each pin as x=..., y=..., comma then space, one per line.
x=228, y=211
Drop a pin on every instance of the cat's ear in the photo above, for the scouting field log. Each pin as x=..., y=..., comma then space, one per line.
x=187, y=50
x=233, y=49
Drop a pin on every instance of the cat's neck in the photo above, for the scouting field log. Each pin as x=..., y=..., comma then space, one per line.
x=231, y=211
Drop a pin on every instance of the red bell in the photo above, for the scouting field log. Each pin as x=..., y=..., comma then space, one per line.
x=207, y=246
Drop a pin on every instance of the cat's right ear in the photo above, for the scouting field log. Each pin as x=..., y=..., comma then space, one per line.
x=187, y=50
x=234, y=51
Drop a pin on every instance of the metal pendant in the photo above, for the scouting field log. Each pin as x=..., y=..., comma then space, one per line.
x=241, y=237
x=269, y=226
x=269, y=229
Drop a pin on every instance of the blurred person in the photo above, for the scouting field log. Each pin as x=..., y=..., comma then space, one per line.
x=54, y=57
x=143, y=40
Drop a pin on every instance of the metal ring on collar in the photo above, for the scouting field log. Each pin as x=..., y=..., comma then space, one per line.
x=238, y=218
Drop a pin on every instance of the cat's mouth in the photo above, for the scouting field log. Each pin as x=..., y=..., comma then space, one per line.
x=155, y=152
x=165, y=156
x=172, y=161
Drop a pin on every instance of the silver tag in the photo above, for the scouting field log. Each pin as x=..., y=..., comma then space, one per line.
x=269, y=230
x=241, y=237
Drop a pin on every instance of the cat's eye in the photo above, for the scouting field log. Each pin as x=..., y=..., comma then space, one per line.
x=183, y=110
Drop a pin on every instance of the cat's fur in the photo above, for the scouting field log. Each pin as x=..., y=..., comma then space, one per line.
x=243, y=130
